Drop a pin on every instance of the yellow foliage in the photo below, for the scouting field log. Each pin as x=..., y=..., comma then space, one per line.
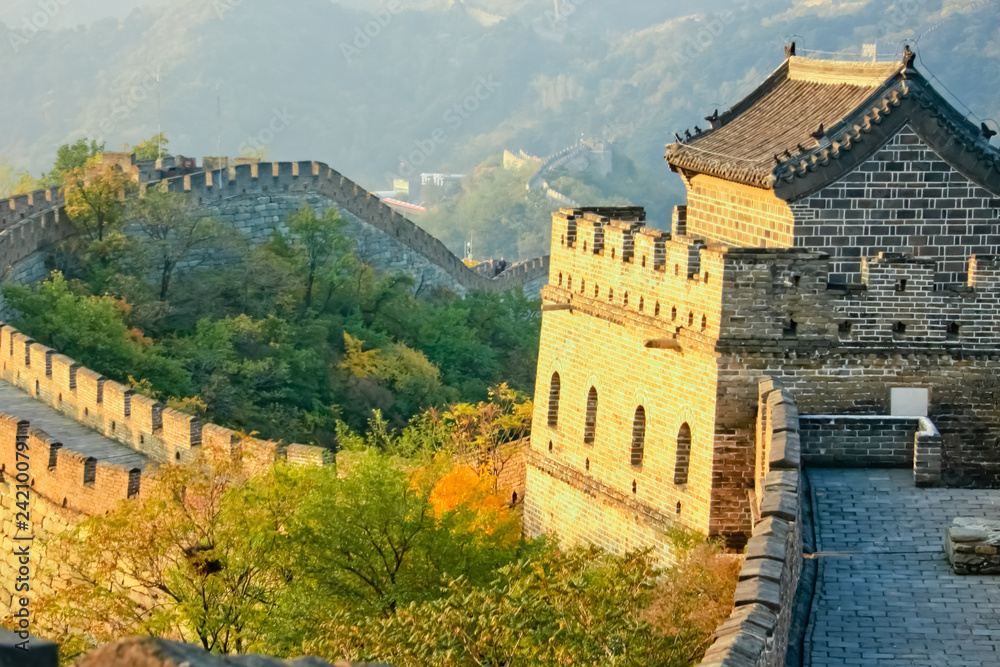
x=358, y=362
x=464, y=490
x=195, y=405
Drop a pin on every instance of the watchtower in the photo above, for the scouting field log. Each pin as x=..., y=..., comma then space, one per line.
x=840, y=235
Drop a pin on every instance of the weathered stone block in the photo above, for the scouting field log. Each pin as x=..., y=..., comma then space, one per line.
x=766, y=546
x=759, y=590
x=972, y=545
x=785, y=451
x=783, y=504
x=765, y=568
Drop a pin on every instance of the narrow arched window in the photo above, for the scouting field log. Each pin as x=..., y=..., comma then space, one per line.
x=683, y=460
x=90, y=470
x=554, y=401
x=590, y=421
x=638, y=435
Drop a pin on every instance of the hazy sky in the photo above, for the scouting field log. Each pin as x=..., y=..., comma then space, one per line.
x=65, y=13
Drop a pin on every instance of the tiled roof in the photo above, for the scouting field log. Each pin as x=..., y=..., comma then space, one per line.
x=767, y=140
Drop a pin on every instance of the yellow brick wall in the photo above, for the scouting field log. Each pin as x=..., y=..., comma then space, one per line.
x=593, y=338
x=737, y=214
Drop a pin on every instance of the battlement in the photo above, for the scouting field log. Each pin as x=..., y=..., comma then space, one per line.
x=32, y=221
x=66, y=477
x=317, y=177
x=608, y=258
x=22, y=207
x=750, y=297
x=118, y=413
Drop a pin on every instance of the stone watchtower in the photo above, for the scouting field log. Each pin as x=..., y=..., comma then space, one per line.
x=839, y=236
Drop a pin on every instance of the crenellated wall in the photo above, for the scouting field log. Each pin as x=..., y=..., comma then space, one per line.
x=69, y=480
x=686, y=328
x=119, y=413
x=270, y=179
x=30, y=224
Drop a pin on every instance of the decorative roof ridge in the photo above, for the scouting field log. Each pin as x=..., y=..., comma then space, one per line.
x=845, y=133
x=840, y=72
x=908, y=84
x=903, y=83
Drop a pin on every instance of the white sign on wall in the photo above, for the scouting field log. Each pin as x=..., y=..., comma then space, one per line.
x=908, y=401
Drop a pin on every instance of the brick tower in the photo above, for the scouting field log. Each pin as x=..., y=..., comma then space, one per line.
x=839, y=235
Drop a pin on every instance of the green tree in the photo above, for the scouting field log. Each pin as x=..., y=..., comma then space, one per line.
x=196, y=557
x=169, y=231
x=92, y=330
x=14, y=181
x=69, y=158
x=370, y=538
x=408, y=379
x=95, y=202
x=255, y=375
x=486, y=436
x=551, y=607
x=151, y=149
x=321, y=239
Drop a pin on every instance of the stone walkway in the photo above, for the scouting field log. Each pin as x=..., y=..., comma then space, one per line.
x=71, y=434
x=884, y=593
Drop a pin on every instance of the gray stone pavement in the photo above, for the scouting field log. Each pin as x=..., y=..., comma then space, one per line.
x=71, y=434
x=884, y=593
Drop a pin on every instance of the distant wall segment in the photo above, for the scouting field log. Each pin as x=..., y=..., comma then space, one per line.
x=257, y=198
x=267, y=180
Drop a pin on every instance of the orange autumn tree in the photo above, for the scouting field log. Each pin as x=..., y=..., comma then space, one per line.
x=482, y=508
x=485, y=437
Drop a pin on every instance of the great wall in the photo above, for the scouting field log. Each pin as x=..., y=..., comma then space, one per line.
x=105, y=445
x=256, y=198
x=805, y=367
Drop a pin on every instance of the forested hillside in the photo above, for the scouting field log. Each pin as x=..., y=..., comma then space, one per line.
x=302, y=80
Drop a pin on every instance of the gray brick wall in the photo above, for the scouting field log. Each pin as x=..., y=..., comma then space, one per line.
x=857, y=441
x=904, y=199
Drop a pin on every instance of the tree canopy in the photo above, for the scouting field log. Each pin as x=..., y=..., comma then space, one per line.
x=283, y=338
x=415, y=561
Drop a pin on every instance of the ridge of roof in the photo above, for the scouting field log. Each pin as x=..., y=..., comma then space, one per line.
x=899, y=95
x=842, y=72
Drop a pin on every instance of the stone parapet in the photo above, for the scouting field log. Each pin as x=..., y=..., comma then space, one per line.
x=756, y=634
x=873, y=441
x=785, y=298
x=120, y=414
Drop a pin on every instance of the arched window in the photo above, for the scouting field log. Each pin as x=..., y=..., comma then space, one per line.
x=683, y=461
x=638, y=435
x=90, y=470
x=554, y=401
x=590, y=421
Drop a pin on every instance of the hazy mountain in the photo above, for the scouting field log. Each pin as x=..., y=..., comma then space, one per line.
x=303, y=78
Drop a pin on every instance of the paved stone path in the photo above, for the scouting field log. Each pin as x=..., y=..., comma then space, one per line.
x=71, y=434
x=884, y=593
